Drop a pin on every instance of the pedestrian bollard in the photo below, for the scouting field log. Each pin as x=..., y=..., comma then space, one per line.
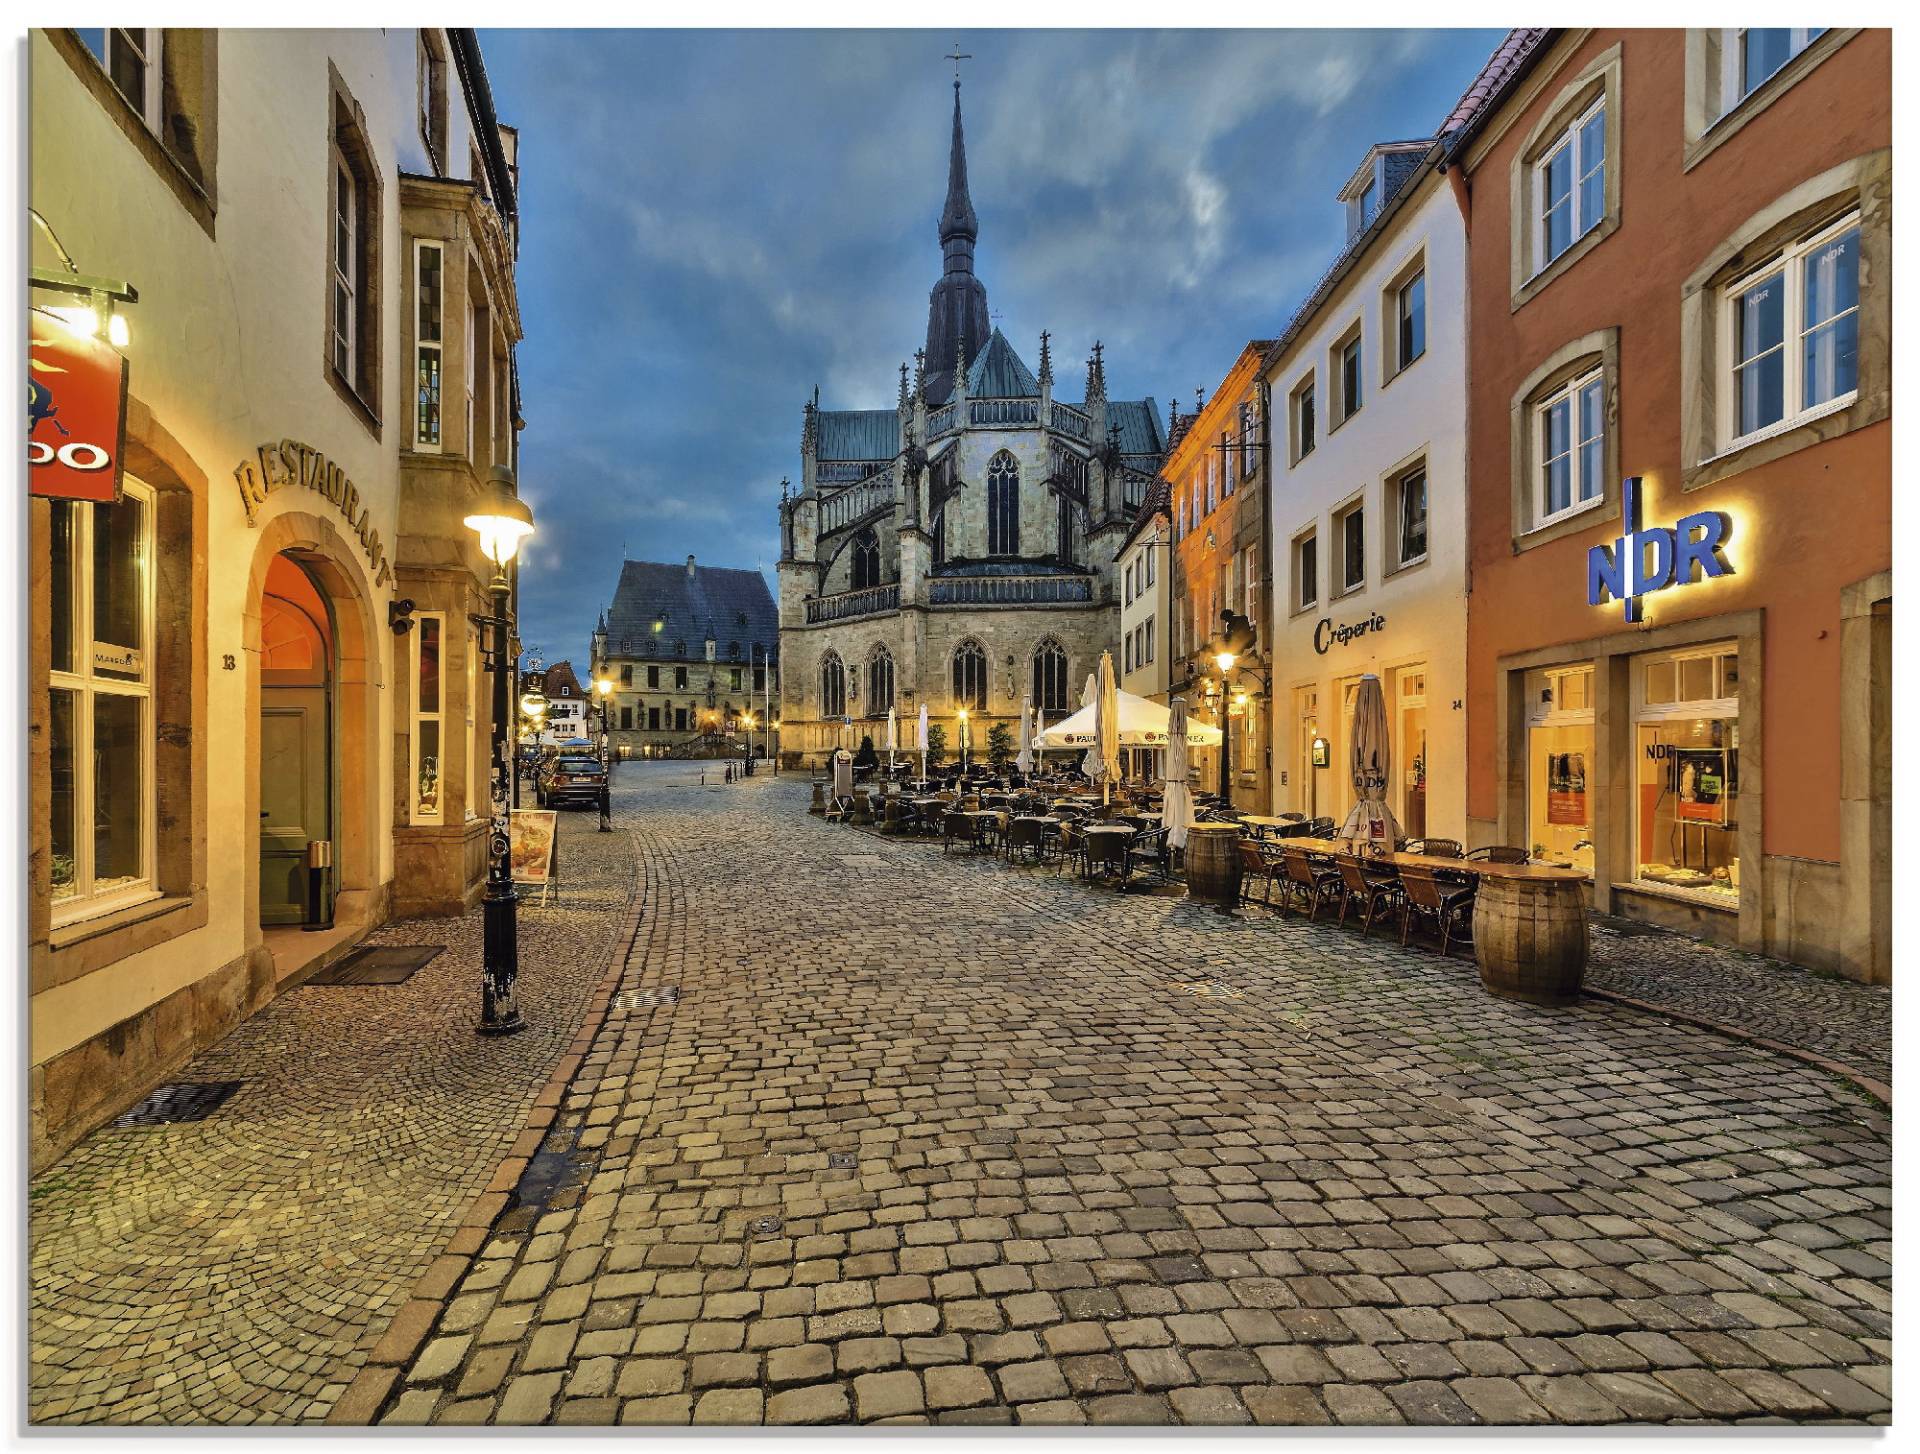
x=606, y=809
x=319, y=860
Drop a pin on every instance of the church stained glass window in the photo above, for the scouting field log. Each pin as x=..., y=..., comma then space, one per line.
x=970, y=676
x=833, y=686
x=1003, y=505
x=866, y=561
x=879, y=682
x=1050, y=676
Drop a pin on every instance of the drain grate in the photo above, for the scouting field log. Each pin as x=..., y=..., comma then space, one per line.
x=379, y=964
x=765, y=1226
x=665, y=994
x=842, y=1160
x=185, y=1100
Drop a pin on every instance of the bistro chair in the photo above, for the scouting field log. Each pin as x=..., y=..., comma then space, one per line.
x=1073, y=845
x=1149, y=851
x=959, y=829
x=1313, y=878
x=1257, y=865
x=1449, y=905
x=1105, y=853
x=1320, y=828
x=1498, y=853
x=1026, y=836
x=1436, y=847
x=1373, y=888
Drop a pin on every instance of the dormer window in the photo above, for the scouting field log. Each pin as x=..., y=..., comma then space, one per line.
x=1369, y=201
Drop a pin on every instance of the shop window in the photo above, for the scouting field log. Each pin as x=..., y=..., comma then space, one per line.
x=1559, y=764
x=100, y=705
x=1794, y=335
x=476, y=750
x=1407, y=517
x=1350, y=530
x=1565, y=178
x=429, y=343
x=1306, y=571
x=428, y=644
x=970, y=676
x=1687, y=773
x=1300, y=410
x=432, y=89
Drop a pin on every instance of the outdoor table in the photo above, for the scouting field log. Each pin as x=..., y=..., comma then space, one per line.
x=981, y=818
x=1104, y=830
x=1263, y=826
x=1529, y=921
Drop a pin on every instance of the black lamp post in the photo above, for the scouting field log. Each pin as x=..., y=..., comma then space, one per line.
x=501, y=519
x=602, y=689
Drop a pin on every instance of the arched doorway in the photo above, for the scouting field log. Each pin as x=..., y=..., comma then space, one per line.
x=299, y=665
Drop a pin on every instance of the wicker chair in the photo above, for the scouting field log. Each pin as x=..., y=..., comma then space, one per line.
x=1498, y=853
x=1104, y=853
x=1448, y=904
x=1375, y=888
x=1257, y=865
x=1312, y=877
x=1073, y=845
x=1435, y=847
x=1026, y=836
x=958, y=829
x=1150, y=852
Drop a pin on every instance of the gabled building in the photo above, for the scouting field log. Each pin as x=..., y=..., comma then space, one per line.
x=956, y=551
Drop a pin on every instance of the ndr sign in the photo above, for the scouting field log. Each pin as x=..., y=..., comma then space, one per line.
x=1643, y=561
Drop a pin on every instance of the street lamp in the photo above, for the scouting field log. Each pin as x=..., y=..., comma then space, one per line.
x=603, y=688
x=501, y=520
x=746, y=719
x=964, y=744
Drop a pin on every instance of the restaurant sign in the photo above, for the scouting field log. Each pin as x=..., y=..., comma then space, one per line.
x=1326, y=634
x=1641, y=561
x=76, y=413
x=276, y=466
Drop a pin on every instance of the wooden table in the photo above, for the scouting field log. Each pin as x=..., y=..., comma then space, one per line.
x=1529, y=921
x=1263, y=826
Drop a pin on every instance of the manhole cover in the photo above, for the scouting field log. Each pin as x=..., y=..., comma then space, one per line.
x=379, y=964
x=180, y=1101
x=842, y=1160
x=665, y=994
x=765, y=1226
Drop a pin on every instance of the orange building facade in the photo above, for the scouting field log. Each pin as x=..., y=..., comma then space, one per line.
x=1217, y=472
x=1680, y=553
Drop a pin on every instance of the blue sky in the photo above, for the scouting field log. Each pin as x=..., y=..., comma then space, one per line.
x=715, y=222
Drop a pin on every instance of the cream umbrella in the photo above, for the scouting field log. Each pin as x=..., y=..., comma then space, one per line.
x=1371, y=821
x=1176, y=798
x=923, y=739
x=1142, y=723
x=1024, y=758
x=1087, y=694
x=1106, y=729
x=893, y=736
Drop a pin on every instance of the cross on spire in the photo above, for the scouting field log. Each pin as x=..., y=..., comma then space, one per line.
x=956, y=55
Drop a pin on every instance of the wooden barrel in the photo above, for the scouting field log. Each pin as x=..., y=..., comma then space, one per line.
x=1530, y=937
x=819, y=804
x=1213, y=863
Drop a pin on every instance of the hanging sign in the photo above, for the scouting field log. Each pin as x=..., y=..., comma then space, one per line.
x=1641, y=561
x=76, y=413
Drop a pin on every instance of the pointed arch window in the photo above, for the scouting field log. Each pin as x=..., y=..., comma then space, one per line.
x=940, y=537
x=1050, y=676
x=1063, y=532
x=833, y=686
x=1003, y=505
x=866, y=561
x=879, y=682
x=970, y=676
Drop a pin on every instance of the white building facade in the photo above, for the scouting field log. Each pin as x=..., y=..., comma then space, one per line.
x=1369, y=489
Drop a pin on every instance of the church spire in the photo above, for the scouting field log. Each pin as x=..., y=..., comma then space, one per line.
x=957, y=220
x=957, y=321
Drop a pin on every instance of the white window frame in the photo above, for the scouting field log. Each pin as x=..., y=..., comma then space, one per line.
x=474, y=752
x=1341, y=519
x=1568, y=393
x=84, y=686
x=422, y=345
x=1250, y=581
x=1569, y=137
x=1302, y=601
x=1402, y=360
x=1249, y=440
x=419, y=716
x=148, y=44
x=1401, y=560
x=1351, y=344
x=1733, y=71
x=1790, y=264
x=345, y=223
x=1306, y=418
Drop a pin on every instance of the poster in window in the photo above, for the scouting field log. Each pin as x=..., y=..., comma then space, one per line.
x=1567, y=789
x=76, y=413
x=1700, y=784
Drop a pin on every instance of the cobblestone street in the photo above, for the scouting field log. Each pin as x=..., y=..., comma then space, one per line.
x=873, y=1133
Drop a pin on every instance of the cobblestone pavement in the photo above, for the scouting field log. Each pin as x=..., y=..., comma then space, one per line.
x=876, y=1134
x=235, y=1270
x=1846, y=1022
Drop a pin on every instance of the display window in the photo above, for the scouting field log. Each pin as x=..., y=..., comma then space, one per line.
x=1687, y=773
x=1559, y=765
x=1410, y=752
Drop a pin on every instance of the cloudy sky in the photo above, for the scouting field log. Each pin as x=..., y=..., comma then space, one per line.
x=715, y=222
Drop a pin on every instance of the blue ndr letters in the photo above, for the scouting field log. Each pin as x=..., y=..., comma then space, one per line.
x=1643, y=561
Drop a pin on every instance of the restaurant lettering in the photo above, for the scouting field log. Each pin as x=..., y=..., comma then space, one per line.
x=1641, y=561
x=276, y=466
x=1326, y=634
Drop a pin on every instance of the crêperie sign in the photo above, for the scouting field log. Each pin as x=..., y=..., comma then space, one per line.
x=1327, y=635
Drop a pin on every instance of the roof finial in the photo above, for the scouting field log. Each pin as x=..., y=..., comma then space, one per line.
x=956, y=55
x=1096, y=374
x=919, y=373
x=1046, y=357
x=1199, y=400
x=903, y=387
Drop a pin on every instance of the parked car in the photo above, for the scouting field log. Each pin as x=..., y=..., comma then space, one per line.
x=568, y=779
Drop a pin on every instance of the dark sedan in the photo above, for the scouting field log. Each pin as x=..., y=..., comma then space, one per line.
x=565, y=780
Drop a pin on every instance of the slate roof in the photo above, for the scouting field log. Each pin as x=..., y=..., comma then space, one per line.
x=1141, y=431
x=729, y=604
x=561, y=681
x=859, y=434
x=1159, y=501
x=1000, y=373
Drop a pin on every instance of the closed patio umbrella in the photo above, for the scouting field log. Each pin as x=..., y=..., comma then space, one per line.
x=1371, y=820
x=893, y=736
x=923, y=739
x=1106, y=728
x=1176, y=798
x=1024, y=758
x=1087, y=695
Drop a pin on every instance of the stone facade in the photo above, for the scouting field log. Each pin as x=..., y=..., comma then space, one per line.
x=980, y=513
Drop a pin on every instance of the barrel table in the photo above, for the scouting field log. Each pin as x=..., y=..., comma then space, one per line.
x=1213, y=864
x=1529, y=923
x=819, y=804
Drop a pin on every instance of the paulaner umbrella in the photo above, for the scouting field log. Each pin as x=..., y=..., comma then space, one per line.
x=923, y=739
x=1371, y=821
x=1106, y=728
x=1176, y=798
x=1024, y=758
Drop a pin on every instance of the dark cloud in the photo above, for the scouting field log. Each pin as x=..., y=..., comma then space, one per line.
x=715, y=222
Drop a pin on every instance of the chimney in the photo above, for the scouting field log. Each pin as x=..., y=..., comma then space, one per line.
x=689, y=567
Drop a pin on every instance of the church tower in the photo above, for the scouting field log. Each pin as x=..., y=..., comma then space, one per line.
x=957, y=324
